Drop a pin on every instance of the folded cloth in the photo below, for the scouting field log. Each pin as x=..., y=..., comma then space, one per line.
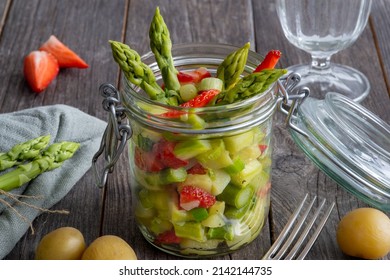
x=63, y=123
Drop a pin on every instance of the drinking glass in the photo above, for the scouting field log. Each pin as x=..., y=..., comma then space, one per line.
x=323, y=28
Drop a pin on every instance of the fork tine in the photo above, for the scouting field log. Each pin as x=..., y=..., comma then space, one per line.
x=316, y=232
x=273, y=252
x=305, y=232
x=283, y=234
x=295, y=231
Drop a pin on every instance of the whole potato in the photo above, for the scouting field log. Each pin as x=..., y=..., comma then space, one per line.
x=364, y=233
x=109, y=247
x=65, y=243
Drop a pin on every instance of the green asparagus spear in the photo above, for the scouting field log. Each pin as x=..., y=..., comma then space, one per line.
x=231, y=68
x=136, y=71
x=161, y=45
x=252, y=84
x=50, y=159
x=23, y=151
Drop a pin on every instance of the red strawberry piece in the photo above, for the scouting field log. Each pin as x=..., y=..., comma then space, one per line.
x=65, y=56
x=197, y=169
x=40, y=68
x=163, y=150
x=147, y=161
x=193, y=197
x=193, y=76
x=168, y=237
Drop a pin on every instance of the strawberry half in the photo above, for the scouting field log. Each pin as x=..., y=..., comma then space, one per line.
x=40, y=68
x=65, y=56
x=193, y=197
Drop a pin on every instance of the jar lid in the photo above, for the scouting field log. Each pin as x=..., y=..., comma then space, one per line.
x=347, y=142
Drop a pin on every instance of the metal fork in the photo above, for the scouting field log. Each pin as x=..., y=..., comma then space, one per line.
x=274, y=253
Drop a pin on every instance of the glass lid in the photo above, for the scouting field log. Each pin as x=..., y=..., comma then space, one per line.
x=349, y=143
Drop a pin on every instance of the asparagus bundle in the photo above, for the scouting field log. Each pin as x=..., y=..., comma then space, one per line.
x=136, y=71
x=232, y=66
x=50, y=159
x=23, y=151
x=252, y=84
x=161, y=45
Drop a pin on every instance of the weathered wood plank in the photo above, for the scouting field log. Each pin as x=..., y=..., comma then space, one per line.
x=4, y=8
x=86, y=27
x=379, y=19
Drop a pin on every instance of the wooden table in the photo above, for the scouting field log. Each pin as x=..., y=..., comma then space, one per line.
x=86, y=26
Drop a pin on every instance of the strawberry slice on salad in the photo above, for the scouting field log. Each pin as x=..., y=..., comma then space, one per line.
x=65, y=56
x=193, y=197
x=40, y=68
x=194, y=76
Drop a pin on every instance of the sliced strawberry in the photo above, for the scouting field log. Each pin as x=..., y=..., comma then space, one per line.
x=193, y=197
x=197, y=169
x=147, y=161
x=40, y=68
x=65, y=56
x=163, y=150
x=168, y=237
x=193, y=76
x=262, y=148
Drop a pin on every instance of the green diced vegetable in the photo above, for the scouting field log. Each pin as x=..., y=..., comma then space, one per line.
x=191, y=230
x=195, y=121
x=171, y=175
x=220, y=179
x=159, y=225
x=199, y=214
x=144, y=212
x=225, y=232
x=250, y=153
x=179, y=216
x=238, y=142
x=236, y=196
x=237, y=166
x=232, y=212
x=202, y=181
x=190, y=148
x=214, y=220
x=210, y=83
x=217, y=208
x=244, y=177
x=188, y=92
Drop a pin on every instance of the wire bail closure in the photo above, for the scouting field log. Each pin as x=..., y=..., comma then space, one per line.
x=289, y=103
x=117, y=132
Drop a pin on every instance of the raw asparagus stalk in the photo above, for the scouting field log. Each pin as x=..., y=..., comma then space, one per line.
x=252, y=84
x=161, y=45
x=50, y=159
x=136, y=71
x=231, y=68
x=23, y=151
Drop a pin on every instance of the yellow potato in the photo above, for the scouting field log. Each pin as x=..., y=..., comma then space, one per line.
x=109, y=247
x=364, y=233
x=65, y=243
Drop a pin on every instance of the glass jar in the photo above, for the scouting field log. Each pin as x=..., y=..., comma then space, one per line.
x=201, y=182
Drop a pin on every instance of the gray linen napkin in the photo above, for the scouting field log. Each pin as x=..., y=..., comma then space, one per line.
x=63, y=123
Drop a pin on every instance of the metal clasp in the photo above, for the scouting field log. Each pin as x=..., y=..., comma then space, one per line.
x=117, y=132
x=291, y=99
